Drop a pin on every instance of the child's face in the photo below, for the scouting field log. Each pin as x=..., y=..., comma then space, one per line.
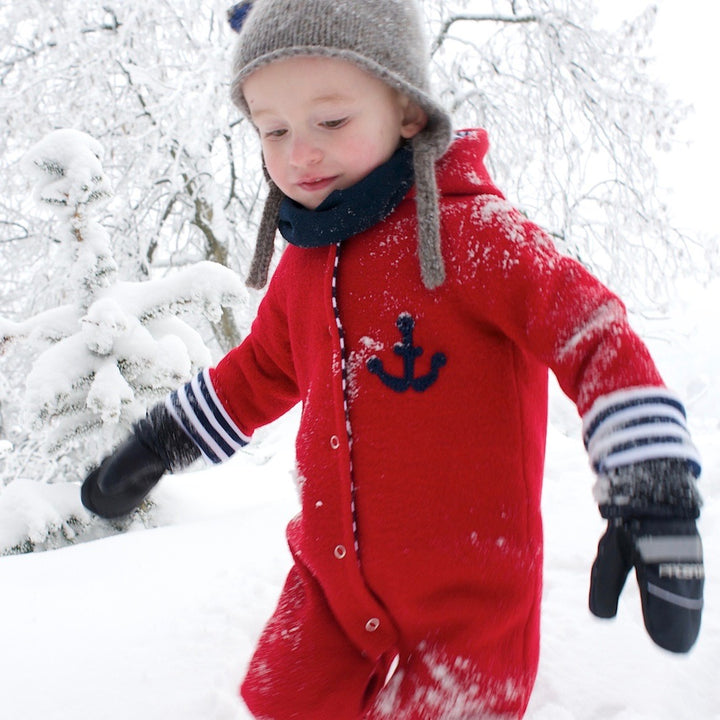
x=325, y=124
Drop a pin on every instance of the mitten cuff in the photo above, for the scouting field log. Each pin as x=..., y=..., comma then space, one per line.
x=159, y=433
x=651, y=489
x=196, y=408
x=638, y=424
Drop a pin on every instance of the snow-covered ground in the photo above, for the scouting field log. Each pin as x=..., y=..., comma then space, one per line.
x=157, y=624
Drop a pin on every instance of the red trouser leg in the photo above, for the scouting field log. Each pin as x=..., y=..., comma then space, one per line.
x=435, y=682
x=304, y=667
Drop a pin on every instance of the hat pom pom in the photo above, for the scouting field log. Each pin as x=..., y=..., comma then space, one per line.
x=237, y=14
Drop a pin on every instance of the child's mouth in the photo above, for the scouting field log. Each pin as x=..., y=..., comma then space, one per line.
x=316, y=184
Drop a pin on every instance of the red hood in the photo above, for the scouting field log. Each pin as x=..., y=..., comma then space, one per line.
x=461, y=170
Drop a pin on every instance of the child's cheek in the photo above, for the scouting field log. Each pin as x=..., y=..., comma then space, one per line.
x=273, y=163
x=363, y=153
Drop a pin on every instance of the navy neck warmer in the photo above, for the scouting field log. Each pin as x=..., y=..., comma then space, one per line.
x=345, y=213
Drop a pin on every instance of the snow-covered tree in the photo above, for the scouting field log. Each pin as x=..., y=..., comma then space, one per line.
x=184, y=182
x=113, y=347
x=573, y=112
x=576, y=122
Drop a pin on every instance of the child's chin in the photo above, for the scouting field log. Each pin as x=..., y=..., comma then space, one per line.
x=311, y=203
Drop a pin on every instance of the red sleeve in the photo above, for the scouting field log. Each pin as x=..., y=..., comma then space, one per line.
x=256, y=381
x=551, y=306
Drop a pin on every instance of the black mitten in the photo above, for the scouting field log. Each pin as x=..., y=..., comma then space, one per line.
x=123, y=480
x=126, y=476
x=651, y=509
x=668, y=560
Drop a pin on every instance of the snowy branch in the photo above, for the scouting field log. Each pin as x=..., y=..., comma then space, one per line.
x=47, y=327
x=502, y=19
x=22, y=231
x=113, y=26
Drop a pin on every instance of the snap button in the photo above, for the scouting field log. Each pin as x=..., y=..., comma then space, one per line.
x=334, y=442
x=372, y=625
x=340, y=552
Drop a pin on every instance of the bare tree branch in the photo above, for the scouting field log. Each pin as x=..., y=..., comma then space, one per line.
x=511, y=19
x=22, y=231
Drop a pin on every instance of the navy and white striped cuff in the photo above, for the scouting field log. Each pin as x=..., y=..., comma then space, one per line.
x=198, y=410
x=642, y=423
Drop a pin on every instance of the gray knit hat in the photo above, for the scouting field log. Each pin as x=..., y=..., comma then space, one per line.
x=382, y=37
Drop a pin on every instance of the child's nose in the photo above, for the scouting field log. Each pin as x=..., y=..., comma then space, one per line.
x=304, y=151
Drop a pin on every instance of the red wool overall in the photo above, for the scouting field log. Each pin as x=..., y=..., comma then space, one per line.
x=420, y=453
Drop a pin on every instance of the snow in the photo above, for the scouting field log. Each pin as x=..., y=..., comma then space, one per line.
x=66, y=165
x=119, y=345
x=160, y=622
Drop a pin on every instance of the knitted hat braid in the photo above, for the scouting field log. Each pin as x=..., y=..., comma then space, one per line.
x=382, y=37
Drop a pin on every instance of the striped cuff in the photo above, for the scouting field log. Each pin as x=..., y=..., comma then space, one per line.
x=199, y=412
x=630, y=426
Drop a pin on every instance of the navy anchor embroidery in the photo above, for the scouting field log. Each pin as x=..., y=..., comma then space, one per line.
x=409, y=353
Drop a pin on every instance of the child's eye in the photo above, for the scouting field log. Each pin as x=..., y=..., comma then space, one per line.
x=274, y=133
x=332, y=124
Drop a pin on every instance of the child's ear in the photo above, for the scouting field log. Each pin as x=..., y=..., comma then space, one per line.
x=414, y=118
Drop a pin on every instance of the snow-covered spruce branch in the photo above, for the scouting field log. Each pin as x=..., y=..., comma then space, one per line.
x=94, y=365
x=202, y=288
x=44, y=328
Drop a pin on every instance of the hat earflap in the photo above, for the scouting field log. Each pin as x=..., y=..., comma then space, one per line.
x=265, y=244
x=432, y=267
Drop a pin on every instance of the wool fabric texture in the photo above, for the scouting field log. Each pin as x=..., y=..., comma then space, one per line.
x=420, y=464
x=345, y=213
x=383, y=37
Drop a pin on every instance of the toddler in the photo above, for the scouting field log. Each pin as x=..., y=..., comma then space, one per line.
x=414, y=314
